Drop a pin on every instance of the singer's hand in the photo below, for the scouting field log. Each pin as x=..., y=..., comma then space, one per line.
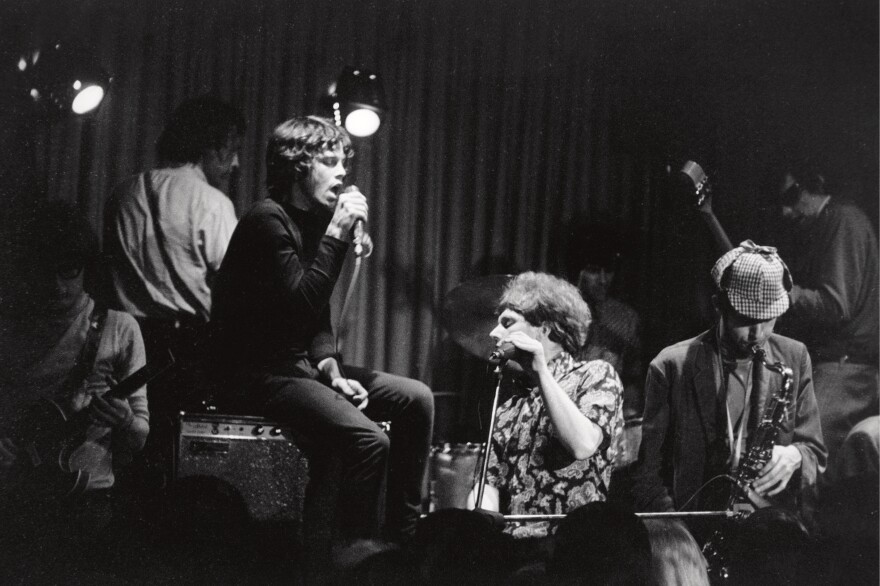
x=528, y=344
x=350, y=207
x=367, y=243
x=352, y=390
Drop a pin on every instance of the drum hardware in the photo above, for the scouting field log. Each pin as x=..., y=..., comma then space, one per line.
x=469, y=313
x=453, y=474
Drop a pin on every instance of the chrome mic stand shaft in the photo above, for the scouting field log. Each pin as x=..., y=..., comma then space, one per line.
x=479, y=502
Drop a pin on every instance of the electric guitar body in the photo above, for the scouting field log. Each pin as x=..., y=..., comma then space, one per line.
x=48, y=437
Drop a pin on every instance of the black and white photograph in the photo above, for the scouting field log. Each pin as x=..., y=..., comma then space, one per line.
x=490, y=292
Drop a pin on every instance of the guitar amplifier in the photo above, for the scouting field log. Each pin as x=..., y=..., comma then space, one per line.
x=253, y=455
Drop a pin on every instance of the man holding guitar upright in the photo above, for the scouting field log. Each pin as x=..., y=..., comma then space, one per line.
x=61, y=436
x=834, y=300
x=706, y=398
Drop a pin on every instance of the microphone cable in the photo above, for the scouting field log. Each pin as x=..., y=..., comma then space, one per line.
x=352, y=286
x=706, y=484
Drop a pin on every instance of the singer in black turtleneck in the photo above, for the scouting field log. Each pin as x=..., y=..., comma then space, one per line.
x=274, y=342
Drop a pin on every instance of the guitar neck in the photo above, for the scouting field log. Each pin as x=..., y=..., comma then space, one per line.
x=700, y=182
x=138, y=379
x=719, y=236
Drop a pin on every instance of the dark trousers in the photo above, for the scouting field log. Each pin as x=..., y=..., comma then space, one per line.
x=184, y=386
x=333, y=428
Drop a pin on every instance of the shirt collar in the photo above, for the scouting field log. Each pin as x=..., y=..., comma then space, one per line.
x=823, y=204
x=308, y=218
x=190, y=169
x=561, y=363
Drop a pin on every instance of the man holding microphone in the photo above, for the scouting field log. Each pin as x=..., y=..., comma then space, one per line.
x=274, y=341
x=553, y=444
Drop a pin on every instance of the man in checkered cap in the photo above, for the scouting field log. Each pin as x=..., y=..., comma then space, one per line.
x=706, y=395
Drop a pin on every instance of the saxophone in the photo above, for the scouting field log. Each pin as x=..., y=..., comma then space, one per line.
x=765, y=436
x=759, y=453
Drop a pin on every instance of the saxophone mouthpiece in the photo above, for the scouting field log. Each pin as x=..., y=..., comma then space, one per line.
x=757, y=351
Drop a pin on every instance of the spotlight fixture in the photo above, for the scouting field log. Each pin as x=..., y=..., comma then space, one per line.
x=63, y=79
x=358, y=101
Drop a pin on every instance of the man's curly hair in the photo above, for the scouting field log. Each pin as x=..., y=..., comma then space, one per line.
x=551, y=301
x=295, y=144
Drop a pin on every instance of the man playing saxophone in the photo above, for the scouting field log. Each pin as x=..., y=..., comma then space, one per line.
x=706, y=398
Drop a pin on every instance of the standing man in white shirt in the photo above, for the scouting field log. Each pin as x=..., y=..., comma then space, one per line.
x=165, y=235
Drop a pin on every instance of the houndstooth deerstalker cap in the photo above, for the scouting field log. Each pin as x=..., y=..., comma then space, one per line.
x=755, y=280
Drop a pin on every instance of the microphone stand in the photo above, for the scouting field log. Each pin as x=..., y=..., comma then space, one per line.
x=479, y=502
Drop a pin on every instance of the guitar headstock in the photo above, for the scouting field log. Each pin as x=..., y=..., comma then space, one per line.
x=702, y=187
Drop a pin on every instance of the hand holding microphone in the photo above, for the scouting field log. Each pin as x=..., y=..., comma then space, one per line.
x=358, y=237
x=363, y=244
x=504, y=352
x=349, y=220
x=519, y=348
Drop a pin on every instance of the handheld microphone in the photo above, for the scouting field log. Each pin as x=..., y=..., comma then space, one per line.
x=503, y=353
x=358, y=238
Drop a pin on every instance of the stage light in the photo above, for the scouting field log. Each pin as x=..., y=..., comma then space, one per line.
x=358, y=101
x=63, y=79
x=362, y=122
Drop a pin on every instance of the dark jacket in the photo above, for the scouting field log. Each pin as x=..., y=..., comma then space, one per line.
x=272, y=296
x=834, y=301
x=682, y=430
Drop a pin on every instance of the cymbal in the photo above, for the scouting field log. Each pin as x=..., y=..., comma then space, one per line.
x=469, y=313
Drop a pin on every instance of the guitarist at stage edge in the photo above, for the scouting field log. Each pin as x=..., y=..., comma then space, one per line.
x=44, y=333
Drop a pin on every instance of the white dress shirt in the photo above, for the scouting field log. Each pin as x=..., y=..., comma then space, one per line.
x=197, y=221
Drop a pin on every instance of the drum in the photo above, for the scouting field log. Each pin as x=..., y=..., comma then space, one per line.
x=454, y=470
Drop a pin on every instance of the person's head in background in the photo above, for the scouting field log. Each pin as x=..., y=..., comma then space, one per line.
x=676, y=559
x=56, y=257
x=205, y=132
x=600, y=543
x=592, y=260
x=770, y=546
x=454, y=547
x=800, y=187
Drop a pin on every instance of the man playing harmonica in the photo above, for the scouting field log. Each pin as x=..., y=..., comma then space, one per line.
x=552, y=446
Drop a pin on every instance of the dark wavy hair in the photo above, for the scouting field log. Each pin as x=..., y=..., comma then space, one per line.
x=55, y=234
x=198, y=125
x=600, y=543
x=551, y=301
x=295, y=144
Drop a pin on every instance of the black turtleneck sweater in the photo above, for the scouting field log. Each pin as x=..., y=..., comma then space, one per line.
x=271, y=301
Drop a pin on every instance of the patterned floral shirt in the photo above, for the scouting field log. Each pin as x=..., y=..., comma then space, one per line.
x=529, y=466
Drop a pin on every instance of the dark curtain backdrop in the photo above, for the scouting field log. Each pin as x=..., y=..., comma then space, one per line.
x=508, y=121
